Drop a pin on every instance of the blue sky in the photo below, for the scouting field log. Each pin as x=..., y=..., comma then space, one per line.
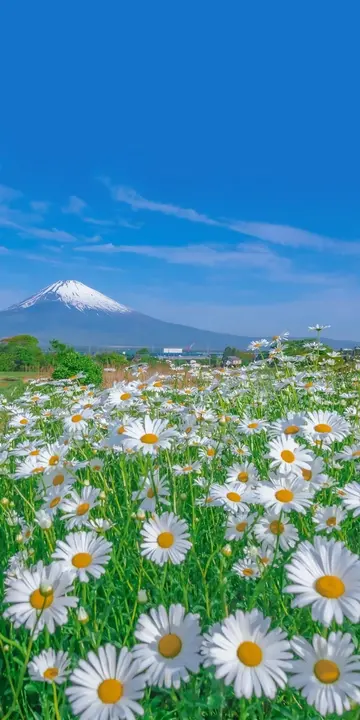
x=198, y=162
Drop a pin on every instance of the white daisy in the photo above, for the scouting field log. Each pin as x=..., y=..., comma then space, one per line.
x=329, y=518
x=270, y=530
x=326, y=575
x=350, y=496
x=165, y=537
x=149, y=435
x=39, y=598
x=327, y=673
x=52, y=455
x=286, y=456
x=83, y=553
x=291, y=425
x=55, y=478
x=153, y=490
x=238, y=524
x=170, y=645
x=234, y=496
x=187, y=469
x=106, y=685
x=54, y=498
x=50, y=666
x=77, y=423
x=315, y=476
x=251, y=426
x=284, y=493
x=244, y=473
x=76, y=507
x=325, y=424
x=22, y=421
x=249, y=656
x=122, y=395
x=246, y=569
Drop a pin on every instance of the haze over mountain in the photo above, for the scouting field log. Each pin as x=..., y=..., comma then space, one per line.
x=79, y=315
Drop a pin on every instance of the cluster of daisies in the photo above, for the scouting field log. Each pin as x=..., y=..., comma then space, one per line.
x=225, y=441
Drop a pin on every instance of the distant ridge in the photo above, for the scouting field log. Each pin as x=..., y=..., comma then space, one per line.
x=78, y=315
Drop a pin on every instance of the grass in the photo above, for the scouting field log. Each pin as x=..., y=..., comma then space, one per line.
x=204, y=583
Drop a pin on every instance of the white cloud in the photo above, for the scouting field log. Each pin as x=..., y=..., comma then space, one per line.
x=75, y=206
x=40, y=206
x=8, y=194
x=273, y=233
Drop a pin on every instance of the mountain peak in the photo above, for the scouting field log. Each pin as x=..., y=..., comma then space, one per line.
x=76, y=295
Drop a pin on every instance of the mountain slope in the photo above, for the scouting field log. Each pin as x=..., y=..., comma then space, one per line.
x=73, y=313
x=76, y=314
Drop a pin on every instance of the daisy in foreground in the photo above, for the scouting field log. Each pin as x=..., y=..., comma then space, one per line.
x=250, y=657
x=49, y=667
x=170, y=645
x=288, y=457
x=284, y=493
x=39, y=598
x=107, y=685
x=165, y=537
x=326, y=575
x=148, y=435
x=327, y=673
x=83, y=554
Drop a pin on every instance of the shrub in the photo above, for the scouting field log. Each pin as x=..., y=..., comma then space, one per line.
x=67, y=363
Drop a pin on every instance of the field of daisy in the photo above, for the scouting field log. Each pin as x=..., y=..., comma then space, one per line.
x=183, y=546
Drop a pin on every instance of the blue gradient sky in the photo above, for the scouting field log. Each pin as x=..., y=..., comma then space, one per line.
x=198, y=162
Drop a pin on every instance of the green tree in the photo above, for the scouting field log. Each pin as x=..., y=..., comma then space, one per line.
x=67, y=363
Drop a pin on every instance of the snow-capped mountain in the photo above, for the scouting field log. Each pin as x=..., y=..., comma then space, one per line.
x=76, y=295
x=73, y=313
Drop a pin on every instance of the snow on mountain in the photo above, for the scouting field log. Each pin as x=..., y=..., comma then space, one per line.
x=76, y=295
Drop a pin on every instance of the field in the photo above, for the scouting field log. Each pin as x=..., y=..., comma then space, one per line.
x=183, y=545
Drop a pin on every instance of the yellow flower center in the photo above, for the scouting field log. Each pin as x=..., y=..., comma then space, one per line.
x=208, y=500
x=211, y=452
x=250, y=654
x=35, y=398
x=241, y=526
x=165, y=540
x=54, y=502
x=307, y=474
x=253, y=425
x=82, y=508
x=248, y=572
x=39, y=601
x=150, y=493
x=326, y=671
x=330, y=586
x=291, y=430
x=120, y=430
x=356, y=453
x=23, y=421
x=37, y=470
x=264, y=560
x=149, y=438
x=276, y=527
x=110, y=691
x=331, y=522
x=170, y=646
x=76, y=418
x=323, y=428
x=58, y=480
x=51, y=673
x=284, y=495
x=243, y=476
x=187, y=468
x=125, y=396
x=34, y=453
x=233, y=496
x=158, y=384
x=287, y=456
x=81, y=560
x=308, y=385
x=54, y=460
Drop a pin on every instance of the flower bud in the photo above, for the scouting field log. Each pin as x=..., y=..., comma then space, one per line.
x=46, y=589
x=226, y=550
x=142, y=597
x=82, y=616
